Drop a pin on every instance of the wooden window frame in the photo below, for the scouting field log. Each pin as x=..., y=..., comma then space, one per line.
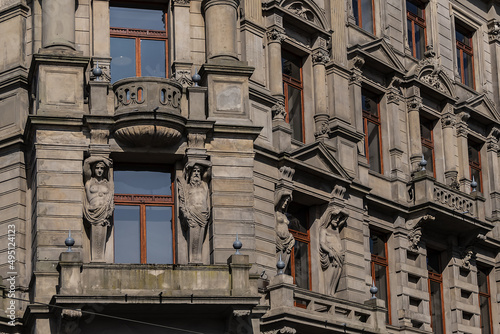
x=304, y=238
x=141, y=34
x=468, y=49
x=429, y=144
x=144, y=201
x=369, y=117
x=487, y=296
x=437, y=278
x=420, y=21
x=384, y=262
x=360, y=15
x=476, y=166
x=299, y=85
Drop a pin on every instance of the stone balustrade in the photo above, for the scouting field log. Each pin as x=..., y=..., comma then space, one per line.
x=149, y=94
x=453, y=200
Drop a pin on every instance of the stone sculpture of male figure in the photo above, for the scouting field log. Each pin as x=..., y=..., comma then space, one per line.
x=194, y=204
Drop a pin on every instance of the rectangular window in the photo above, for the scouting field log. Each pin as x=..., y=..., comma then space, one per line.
x=300, y=259
x=483, y=282
x=138, y=42
x=143, y=217
x=363, y=11
x=427, y=139
x=380, y=269
x=435, y=291
x=465, y=55
x=415, y=15
x=293, y=90
x=371, y=127
x=475, y=164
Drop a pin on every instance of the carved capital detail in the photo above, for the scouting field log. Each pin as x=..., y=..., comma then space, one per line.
x=184, y=78
x=284, y=330
x=448, y=121
x=279, y=111
x=414, y=103
x=275, y=35
x=494, y=31
x=287, y=173
x=393, y=97
x=180, y=2
x=320, y=57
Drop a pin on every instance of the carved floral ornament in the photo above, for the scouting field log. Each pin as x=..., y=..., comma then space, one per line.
x=320, y=57
x=448, y=120
x=494, y=31
x=275, y=35
x=279, y=111
x=283, y=330
x=414, y=103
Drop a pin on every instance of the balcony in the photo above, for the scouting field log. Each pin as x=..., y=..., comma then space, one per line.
x=453, y=209
x=148, y=112
x=312, y=312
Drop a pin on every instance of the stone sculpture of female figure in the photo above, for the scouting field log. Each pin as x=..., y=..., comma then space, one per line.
x=331, y=250
x=98, y=205
x=284, y=239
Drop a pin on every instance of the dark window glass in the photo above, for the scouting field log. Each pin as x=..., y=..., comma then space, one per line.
x=127, y=231
x=143, y=220
x=138, y=42
x=416, y=28
x=380, y=268
x=299, y=266
x=427, y=138
x=293, y=89
x=465, y=55
x=475, y=164
x=433, y=262
x=363, y=14
x=436, y=307
x=484, y=300
x=371, y=125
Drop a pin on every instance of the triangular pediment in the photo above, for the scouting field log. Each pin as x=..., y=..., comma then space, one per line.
x=318, y=158
x=484, y=106
x=380, y=53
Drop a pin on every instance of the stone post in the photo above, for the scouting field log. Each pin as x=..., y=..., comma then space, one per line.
x=378, y=305
x=220, y=25
x=396, y=152
x=58, y=24
x=414, y=103
x=493, y=166
x=356, y=98
x=239, y=267
x=463, y=152
x=70, y=279
x=181, y=64
x=274, y=38
x=281, y=291
x=320, y=58
x=450, y=152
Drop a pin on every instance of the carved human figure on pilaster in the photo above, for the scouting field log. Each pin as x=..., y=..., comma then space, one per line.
x=284, y=239
x=467, y=256
x=98, y=205
x=331, y=251
x=414, y=237
x=194, y=205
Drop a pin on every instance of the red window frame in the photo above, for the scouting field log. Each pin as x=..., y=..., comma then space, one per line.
x=360, y=14
x=141, y=34
x=417, y=20
x=467, y=49
x=148, y=200
x=437, y=278
x=486, y=295
x=369, y=117
x=304, y=238
x=473, y=165
x=429, y=143
x=383, y=262
x=297, y=84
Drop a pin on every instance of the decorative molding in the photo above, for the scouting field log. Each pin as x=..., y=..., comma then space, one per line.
x=196, y=140
x=320, y=57
x=338, y=191
x=241, y=313
x=286, y=173
x=448, y=121
x=357, y=62
x=279, y=111
x=494, y=31
x=275, y=35
x=414, y=103
x=284, y=330
x=184, y=78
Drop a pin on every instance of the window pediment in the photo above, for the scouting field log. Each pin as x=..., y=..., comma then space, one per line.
x=483, y=106
x=378, y=54
x=307, y=11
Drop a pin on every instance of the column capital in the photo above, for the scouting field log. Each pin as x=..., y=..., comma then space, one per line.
x=183, y=3
x=494, y=31
x=414, y=103
x=448, y=121
x=320, y=57
x=393, y=97
x=205, y=4
x=275, y=36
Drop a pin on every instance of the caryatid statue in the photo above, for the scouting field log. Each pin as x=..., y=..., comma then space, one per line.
x=194, y=204
x=98, y=205
x=284, y=239
x=330, y=246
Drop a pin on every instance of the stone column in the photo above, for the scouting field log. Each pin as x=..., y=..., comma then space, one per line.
x=58, y=24
x=320, y=58
x=450, y=152
x=493, y=167
x=220, y=27
x=463, y=152
x=274, y=39
x=396, y=152
x=356, y=98
x=494, y=40
x=414, y=103
x=181, y=64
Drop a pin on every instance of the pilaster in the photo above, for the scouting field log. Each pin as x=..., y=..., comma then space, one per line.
x=413, y=104
x=463, y=152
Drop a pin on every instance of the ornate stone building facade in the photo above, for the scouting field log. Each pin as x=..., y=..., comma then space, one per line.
x=346, y=144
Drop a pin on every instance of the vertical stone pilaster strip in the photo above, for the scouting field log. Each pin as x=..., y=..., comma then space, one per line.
x=414, y=103
x=320, y=58
x=275, y=37
x=57, y=14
